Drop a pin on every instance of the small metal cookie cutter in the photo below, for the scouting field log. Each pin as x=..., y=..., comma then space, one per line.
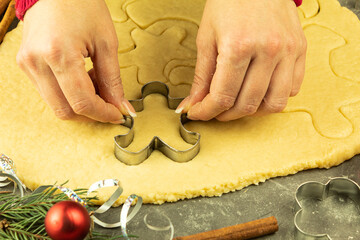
x=135, y=158
x=316, y=190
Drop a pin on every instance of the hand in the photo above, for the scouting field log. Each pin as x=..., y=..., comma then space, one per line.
x=57, y=36
x=251, y=59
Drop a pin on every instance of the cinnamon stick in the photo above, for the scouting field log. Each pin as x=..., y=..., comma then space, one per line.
x=7, y=19
x=241, y=231
x=3, y=5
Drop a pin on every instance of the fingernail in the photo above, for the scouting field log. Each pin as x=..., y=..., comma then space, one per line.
x=131, y=113
x=179, y=110
x=184, y=106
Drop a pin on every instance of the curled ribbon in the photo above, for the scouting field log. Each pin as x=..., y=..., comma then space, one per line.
x=170, y=226
x=7, y=171
x=71, y=194
x=124, y=217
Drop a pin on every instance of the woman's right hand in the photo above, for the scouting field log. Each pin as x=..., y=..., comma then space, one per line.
x=57, y=36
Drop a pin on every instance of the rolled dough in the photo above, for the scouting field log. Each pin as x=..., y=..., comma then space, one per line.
x=320, y=127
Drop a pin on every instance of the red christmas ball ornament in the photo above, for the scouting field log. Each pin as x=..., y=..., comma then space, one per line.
x=67, y=220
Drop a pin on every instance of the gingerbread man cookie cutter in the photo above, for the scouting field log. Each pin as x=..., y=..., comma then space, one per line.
x=315, y=190
x=135, y=158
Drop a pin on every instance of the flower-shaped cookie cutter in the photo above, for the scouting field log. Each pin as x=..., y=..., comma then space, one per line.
x=336, y=186
x=135, y=158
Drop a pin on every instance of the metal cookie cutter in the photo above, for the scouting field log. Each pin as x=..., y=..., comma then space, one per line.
x=135, y=158
x=317, y=190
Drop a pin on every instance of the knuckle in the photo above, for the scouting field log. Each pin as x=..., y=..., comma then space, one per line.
x=245, y=47
x=115, y=82
x=292, y=44
x=224, y=101
x=236, y=49
x=81, y=106
x=272, y=46
x=249, y=108
x=275, y=105
x=199, y=84
x=199, y=81
x=64, y=113
x=59, y=60
x=52, y=53
x=24, y=57
x=112, y=82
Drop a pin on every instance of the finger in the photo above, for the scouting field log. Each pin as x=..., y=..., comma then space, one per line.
x=225, y=86
x=78, y=89
x=45, y=83
x=52, y=94
x=253, y=89
x=298, y=75
x=126, y=107
x=107, y=73
x=279, y=89
x=26, y=63
x=204, y=71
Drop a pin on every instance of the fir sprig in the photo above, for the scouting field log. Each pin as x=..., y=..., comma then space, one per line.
x=22, y=218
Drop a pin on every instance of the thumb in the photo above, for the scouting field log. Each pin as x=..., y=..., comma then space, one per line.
x=108, y=79
x=204, y=71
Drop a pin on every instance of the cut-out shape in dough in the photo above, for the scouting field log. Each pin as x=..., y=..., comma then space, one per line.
x=123, y=32
x=191, y=30
x=153, y=52
x=175, y=63
x=146, y=12
x=132, y=88
x=332, y=8
x=310, y=8
x=320, y=86
x=116, y=11
x=182, y=75
x=342, y=65
x=179, y=91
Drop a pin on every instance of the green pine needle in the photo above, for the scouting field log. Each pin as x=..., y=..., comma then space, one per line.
x=25, y=216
